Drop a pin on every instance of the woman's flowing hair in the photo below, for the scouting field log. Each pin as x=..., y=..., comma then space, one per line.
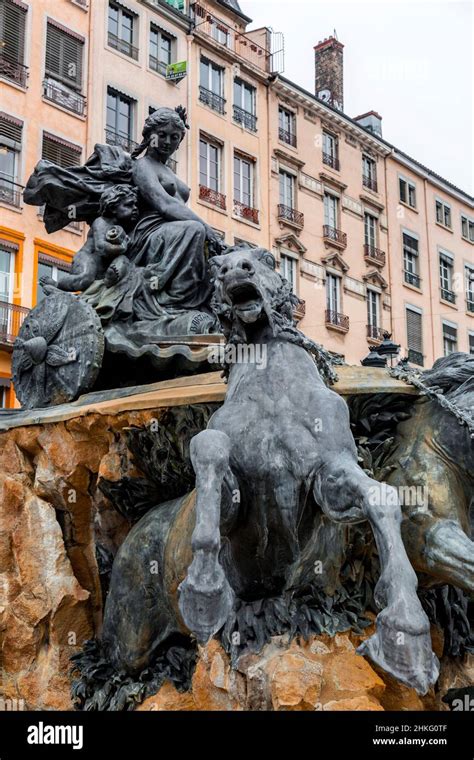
x=158, y=118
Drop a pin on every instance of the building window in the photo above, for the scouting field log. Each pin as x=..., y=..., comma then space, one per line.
x=210, y=163
x=287, y=126
x=469, y=275
x=333, y=293
x=161, y=49
x=122, y=30
x=244, y=179
x=331, y=211
x=407, y=192
x=211, y=85
x=219, y=32
x=288, y=270
x=59, y=152
x=10, y=147
x=63, y=69
x=414, y=336
x=369, y=173
x=450, y=338
x=471, y=344
x=443, y=213
x=48, y=266
x=245, y=104
x=373, y=315
x=287, y=189
x=7, y=269
x=330, y=150
x=370, y=231
x=446, y=268
x=410, y=260
x=12, y=50
x=119, y=121
x=467, y=228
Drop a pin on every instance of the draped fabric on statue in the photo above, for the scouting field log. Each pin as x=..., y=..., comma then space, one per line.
x=77, y=189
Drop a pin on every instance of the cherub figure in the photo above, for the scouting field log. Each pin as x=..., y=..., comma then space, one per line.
x=103, y=255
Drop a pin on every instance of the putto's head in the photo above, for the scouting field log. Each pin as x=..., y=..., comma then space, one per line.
x=248, y=289
x=120, y=202
x=164, y=130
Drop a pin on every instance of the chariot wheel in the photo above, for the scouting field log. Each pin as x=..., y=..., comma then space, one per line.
x=58, y=352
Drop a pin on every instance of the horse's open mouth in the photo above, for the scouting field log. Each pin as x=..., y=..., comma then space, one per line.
x=245, y=299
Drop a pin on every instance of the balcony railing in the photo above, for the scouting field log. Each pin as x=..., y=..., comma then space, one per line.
x=113, y=138
x=122, y=46
x=369, y=182
x=69, y=99
x=157, y=65
x=448, y=295
x=470, y=305
x=287, y=137
x=11, y=319
x=374, y=332
x=290, y=216
x=212, y=196
x=299, y=311
x=331, y=161
x=220, y=32
x=415, y=357
x=375, y=254
x=412, y=279
x=246, y=212
x=334, y=235
x=335, y=319
x=246, y=118
x=13, y=71
x=211, y=99
x=10, y=192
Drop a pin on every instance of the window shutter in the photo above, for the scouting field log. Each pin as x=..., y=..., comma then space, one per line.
x=450, y=332
x=12, y=26
x=64, y=266
x=410, y=244
x=10, y=129
x=63, y=56
x=60, y=152
x=414, y=331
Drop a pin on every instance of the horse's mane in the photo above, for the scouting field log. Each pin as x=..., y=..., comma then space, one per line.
x=450, y=372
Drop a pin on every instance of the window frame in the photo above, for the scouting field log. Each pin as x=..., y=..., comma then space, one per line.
x=444, y=207
x=219, y=163
x=251, y=179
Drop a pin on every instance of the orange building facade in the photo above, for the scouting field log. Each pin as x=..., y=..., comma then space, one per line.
x=370, y=240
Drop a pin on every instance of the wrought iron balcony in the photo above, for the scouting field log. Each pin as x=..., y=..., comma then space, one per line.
x=122, y=46
x=211, y=99
x=69, y=99
x=287, y=137
x=13, y=71
x=369, y=182
x=290, y=215
x=331, y=161
x=470, y=305
x=335, y=319
x=246, y=212
x=246, y=118
x=412, y=279
x=374, y=254
x=375, y=332
x=113, y=138
x=157, y=65
x=10, y=192
x=11, y=319
x=299, y=311
x=415, y=357
x=212, y=196
x=332, y=234
x=448, y=295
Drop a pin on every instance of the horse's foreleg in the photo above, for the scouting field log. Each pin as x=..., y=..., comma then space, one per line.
x=401, y=644
x=206, y=598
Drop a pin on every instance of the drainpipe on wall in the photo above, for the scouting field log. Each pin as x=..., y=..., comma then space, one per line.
x=389, y=257
x=189, y=104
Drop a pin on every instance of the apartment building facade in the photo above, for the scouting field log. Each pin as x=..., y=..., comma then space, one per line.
x=370, y=240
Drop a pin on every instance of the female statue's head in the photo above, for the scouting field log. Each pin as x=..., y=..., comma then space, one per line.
x=163, y=131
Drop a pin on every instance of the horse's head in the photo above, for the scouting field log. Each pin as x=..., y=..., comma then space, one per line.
x=248, y=290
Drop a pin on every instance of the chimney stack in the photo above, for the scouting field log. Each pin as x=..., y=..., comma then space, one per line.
x=329, y=79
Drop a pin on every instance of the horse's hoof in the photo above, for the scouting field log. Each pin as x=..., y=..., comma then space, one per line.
x=205, y=609
x=406, y=656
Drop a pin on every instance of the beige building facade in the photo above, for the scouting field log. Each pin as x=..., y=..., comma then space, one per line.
x=370, y=240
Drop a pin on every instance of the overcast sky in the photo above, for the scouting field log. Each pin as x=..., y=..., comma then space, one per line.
x=412, y=61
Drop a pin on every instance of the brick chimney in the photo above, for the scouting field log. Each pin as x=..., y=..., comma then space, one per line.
x=329, y=79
